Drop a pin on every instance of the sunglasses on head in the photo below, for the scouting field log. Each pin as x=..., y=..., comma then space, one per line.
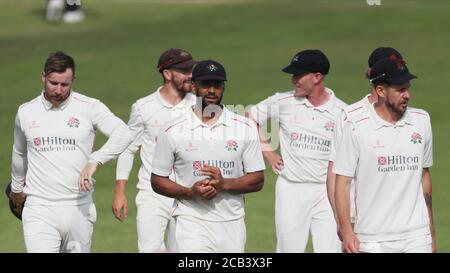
x=208, y=83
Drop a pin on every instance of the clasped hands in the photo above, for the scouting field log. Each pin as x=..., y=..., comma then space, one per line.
x=208, y=187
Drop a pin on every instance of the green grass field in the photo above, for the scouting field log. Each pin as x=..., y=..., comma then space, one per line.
x=117, y=47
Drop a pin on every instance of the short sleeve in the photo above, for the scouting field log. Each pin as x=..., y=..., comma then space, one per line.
x=428, y=146
x=252, y=155
x=347, y=152
x=164, y=158
x=268, y=108
x=337, y=134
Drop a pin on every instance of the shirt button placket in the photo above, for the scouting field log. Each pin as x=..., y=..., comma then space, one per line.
x=211, y=138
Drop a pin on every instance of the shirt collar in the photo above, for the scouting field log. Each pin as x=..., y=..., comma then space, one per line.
x=330, y=104
x=379, y=122
x=164, y=103
x=406, y=119
x=48, y=105
x=224, y=119
x=366, y=102
x=327, y=106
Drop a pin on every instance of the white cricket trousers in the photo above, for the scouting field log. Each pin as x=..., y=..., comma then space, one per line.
x=153, y=219
x=195, y=235
x=419, y=244
x=54, y=229
x=301, y=208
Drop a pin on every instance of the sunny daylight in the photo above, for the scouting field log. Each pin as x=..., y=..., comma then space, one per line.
x=257, y=54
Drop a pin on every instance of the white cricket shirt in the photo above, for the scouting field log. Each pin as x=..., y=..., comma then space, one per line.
x=348, y=112
x=186, y=144
x=147, y=116
x=306, y=133
x=386, y=162
x=52, y=145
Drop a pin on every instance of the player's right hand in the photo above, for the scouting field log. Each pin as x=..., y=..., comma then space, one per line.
x=275, y=161
x=86, y=181
x=204, y=189
x=350, y=242
x=120, y=206
x=18, y=199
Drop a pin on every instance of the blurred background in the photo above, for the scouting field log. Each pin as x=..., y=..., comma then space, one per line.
x=116, y=45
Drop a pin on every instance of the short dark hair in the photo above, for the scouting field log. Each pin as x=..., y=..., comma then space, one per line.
x=58, y=62
x=384, y=84
x=367, y=74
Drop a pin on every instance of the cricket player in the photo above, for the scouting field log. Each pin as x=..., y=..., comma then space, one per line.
x=217, y=158
x=68, y=11
x=307, y=117
x=387, y=150
x=351, y=110
x=53, y=162
x=148, y=114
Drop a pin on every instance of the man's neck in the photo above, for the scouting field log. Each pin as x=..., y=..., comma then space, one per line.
x=373, y=97
x=55, y=103
x=319, y=96
x=386, y=114
x=209, y=117
x=171, y=95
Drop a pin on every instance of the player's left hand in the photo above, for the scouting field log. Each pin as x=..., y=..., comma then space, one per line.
x=86, y=182
x=214, y=173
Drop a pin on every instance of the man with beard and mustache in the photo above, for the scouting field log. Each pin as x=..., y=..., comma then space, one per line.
x=53, y=160
x=217, y=158
x=148, y=114
x=351, y=110
x=387, y=150
x=306, y=116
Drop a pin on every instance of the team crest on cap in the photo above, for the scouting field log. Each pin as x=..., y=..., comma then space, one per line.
x=400, y=62
x=184, y=54
x=416, y=138
x=400, y=66
x=232, y=145
x=212, y=67
x=73, y=122
x=295, y=59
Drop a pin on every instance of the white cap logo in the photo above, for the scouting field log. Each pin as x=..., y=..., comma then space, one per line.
x=212, y=67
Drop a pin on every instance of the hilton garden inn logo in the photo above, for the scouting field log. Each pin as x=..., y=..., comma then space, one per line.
x=53, y=144
x=294, y=136
x=397, y=163
x=309, y=142
x=226, y=167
